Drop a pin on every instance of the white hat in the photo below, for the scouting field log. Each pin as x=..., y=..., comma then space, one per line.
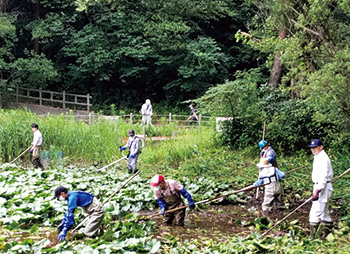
x=264, y=163
x=148, y=101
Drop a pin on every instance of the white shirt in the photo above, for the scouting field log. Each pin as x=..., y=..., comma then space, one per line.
x=37, y=139
x=146, y=109
x=322, y=171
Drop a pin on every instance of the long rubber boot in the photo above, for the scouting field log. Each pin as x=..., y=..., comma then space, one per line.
x=313, y=230
x=326, y=229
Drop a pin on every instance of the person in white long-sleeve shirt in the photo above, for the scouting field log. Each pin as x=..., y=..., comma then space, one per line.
x=134, y=150
x=322, y=175
x=36, y=148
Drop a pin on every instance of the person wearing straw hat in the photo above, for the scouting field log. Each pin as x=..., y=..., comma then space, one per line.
x=146, y=111
x=36, y=148
x=322, y=175
x=168, y=197
x=270, y=175
x=90, y=205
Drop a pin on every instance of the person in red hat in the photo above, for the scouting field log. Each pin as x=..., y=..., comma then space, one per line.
x=168, y=197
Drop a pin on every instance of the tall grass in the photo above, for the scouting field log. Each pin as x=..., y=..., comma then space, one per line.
x=96, y=143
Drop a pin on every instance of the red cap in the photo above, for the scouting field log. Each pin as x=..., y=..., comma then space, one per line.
x=157, y=179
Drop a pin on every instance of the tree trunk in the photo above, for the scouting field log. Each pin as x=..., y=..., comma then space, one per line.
x=276, y=71
x=2, y=6
x=37, y=16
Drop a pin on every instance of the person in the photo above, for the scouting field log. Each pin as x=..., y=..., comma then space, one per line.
x=36, y=148
x=168, y=197
x=193, y=118
x=270, y=175
x=322, y=175
x=134, y=150
x=267, y=152
x=146, y=111
x=90, y=205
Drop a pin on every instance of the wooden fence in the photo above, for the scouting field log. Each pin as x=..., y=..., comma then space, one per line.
x=49, y=98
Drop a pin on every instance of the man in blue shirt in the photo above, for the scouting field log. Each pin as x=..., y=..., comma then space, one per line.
x=87, y=202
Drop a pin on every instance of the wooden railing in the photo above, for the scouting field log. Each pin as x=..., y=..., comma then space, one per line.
x=41, y=96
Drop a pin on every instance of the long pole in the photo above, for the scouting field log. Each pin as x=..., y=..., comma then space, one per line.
x=114, y=162
x=127, y=181
x=219, y=197
x=20, y=155
x=263, y=137
x=307, y=201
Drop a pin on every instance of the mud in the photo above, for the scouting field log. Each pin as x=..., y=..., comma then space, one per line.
x=220, y=222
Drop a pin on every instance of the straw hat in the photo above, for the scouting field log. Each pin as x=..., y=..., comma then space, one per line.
x=264, y=163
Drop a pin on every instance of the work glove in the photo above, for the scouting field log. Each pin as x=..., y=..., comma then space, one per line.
x=132, y=156
x=122, y=148
x=162, y=211
x=60, y=227
x=62, y=235
x=31, y=150
x=192, y=205
x=315, y=195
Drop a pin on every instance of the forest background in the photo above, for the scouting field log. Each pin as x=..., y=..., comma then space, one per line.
x=285, y=63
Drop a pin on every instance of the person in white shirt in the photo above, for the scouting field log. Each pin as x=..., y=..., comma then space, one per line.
x=36, y=148
x=322, y=175
x=146, y=111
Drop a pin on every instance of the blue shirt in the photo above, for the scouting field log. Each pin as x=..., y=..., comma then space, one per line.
x=75, y=199
x=270, y=155
x=79, y=198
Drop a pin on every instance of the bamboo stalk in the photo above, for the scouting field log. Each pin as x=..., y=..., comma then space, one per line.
x=20, y=155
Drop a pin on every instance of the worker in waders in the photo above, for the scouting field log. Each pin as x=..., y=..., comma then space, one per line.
x=168, y=197
x=322, y=175
x=134, y=150
x=87, y=202
x=270, y=175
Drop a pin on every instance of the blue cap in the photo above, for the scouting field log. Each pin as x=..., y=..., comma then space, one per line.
x=316, y=143
x=262, y=144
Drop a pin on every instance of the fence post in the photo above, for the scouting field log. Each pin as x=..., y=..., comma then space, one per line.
x=130, y=117
x=116, y=130
x=64, y=99
x=16, y=93
x=169, y=117
x=144, y=136
x=88, y=102
x=40, y=96
x=200, y=120
x=90, y=118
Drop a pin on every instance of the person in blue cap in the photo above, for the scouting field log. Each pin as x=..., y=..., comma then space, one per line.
x=322, y=175
x=87, y=202
x=267, y=152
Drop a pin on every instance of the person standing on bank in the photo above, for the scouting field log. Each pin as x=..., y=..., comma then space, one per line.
x=146, y=111
x=322, y=175
x=168, y=197
x=134, y=150
x=193, y=118
x=270, y=175
x=36, y=148
x=87, y=202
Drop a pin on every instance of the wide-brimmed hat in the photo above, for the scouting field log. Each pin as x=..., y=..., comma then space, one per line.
x=264, y=163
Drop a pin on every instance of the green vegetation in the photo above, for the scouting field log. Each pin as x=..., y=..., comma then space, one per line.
x=195, y=158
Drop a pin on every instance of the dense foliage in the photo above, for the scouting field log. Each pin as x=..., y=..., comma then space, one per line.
x=123, y=52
